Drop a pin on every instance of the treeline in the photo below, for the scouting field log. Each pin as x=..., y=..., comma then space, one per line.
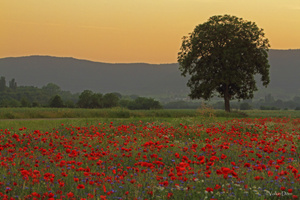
x=52, y=96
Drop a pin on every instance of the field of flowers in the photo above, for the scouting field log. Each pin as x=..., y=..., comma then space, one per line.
x=236, y=159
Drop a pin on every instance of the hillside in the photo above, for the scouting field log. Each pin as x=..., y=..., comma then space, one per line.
x=77, y=75
x=137, y=78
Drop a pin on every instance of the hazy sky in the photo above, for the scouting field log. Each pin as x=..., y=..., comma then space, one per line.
x=131, y=30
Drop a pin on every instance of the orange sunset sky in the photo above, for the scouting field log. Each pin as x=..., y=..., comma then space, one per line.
x=123, y=31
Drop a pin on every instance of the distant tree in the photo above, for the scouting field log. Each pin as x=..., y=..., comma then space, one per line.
x=25, y=102
x=124, y=103
x=222, y=56
x=118, y=94
x=85, y=99
x=110, y=100
x=51, y=89
x=69, y=104
x=2, y=84
x=96, y=100
x=35, y=104
x=13, y=84
x=10, y=102
x=143, y=103
x=56, y=102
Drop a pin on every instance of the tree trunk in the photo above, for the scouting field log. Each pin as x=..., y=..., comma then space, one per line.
x=226, y=99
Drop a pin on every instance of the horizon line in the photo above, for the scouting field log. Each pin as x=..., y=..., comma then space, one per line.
x=84, y=59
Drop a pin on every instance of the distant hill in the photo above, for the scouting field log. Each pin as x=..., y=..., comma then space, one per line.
x=77, y=75
x=136, y=78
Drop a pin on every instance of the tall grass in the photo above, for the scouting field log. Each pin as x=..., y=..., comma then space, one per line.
x=29, y=113
x=202, y=112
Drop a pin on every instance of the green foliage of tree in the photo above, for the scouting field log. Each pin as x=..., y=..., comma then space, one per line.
x=51, y=95
x=25, y=102
x=143, y=103
x=9, y=102
x=70, y=104
x=2, y=84
x=13, y=84
x=110, y=100
x=96, y=100
x=88, y=99
x=56, y=102
x=221, y=56
x=85, y=99
x=51, y=89
x=35, y=104
x=124, y=103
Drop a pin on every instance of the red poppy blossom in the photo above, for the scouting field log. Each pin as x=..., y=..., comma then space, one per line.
x=80, y=186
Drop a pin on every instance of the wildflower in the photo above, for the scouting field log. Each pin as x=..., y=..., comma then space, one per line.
x=70, y=194
x=217, y=187
x=80, y=186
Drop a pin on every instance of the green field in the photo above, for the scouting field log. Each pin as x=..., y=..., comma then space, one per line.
x=45, y=118
x=28, y=113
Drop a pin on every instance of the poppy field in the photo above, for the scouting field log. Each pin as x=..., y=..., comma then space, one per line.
x=234, y=159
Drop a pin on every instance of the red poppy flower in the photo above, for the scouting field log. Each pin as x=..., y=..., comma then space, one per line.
x=80, y=186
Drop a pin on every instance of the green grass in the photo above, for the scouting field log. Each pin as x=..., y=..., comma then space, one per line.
x=45, y=118
x=273, y=113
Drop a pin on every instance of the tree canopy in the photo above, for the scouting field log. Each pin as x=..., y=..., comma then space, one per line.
x=221, y=56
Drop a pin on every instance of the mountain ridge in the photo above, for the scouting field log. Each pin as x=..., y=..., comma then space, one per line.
x=76, y=75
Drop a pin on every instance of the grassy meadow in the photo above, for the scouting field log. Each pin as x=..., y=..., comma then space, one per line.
x=156, y=154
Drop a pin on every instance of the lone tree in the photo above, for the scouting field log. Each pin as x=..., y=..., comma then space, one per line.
x=222, y=56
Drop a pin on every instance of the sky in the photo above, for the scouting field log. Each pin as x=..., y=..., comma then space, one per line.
x=130, y=31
